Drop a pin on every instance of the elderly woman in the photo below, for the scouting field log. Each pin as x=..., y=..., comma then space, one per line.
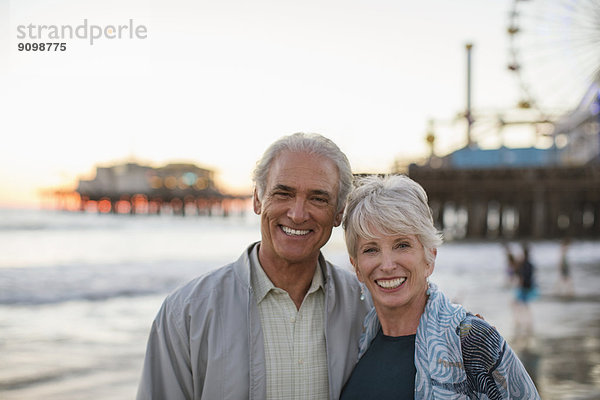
x=416, y=343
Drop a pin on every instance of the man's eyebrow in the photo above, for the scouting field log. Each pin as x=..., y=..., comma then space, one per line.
x=280, y=186
x=285, y=188
x=320, y=192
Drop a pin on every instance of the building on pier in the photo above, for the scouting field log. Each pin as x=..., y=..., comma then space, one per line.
x=179, y=188
x=516, y=193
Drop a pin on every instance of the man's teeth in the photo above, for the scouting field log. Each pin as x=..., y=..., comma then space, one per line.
x=391, y=283
x=294, y=232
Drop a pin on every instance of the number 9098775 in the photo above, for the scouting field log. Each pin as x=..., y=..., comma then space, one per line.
x=25, y=46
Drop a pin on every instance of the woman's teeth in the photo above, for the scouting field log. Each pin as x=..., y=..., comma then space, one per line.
x=390, y=283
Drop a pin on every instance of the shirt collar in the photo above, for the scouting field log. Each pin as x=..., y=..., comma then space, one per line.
x=262, y=284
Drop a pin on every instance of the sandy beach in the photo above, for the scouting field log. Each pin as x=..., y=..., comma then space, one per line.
x=75, y=313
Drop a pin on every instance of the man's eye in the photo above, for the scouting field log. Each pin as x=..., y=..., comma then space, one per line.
x=321, y=200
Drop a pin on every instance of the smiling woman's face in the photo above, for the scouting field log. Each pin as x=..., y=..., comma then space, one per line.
x=394, y=269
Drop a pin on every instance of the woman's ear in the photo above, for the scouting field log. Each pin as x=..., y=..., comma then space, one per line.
x=356, y=270
x=431, y=264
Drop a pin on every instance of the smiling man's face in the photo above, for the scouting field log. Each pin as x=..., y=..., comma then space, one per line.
x=298, y=209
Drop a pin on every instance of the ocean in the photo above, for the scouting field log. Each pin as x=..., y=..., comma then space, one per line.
x=79, y=291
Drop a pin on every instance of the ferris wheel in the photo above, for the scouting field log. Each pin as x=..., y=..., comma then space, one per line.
x=554, y=52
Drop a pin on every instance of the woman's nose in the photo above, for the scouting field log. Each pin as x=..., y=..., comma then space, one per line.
x=387, y=260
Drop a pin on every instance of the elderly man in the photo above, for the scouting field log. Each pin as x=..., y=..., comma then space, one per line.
x=281, y=322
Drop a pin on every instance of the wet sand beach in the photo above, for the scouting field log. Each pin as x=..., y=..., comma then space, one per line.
x=565, y=366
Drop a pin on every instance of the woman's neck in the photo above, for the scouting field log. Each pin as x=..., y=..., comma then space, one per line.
x=401, y=321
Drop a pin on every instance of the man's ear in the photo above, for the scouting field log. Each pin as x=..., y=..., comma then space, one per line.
x=356, y=271
x=338, y=218
x=256, y=203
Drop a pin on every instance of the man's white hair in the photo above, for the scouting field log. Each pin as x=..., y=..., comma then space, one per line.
x=310, y=143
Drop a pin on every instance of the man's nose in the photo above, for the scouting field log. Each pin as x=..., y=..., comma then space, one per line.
x=298, y=211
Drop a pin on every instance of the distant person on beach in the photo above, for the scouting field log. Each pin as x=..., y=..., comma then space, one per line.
x=417, y=344
x=512, y=264
x=281, y=322
x=526, y=291
x=565, y=282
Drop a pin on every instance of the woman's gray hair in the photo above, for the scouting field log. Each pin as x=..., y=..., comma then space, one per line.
x=311, y=143
x=392, y=205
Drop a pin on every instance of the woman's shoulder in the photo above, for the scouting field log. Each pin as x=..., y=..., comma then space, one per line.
x=474, y=329
x=475, y=326
x=491, y=366
x=480, y=342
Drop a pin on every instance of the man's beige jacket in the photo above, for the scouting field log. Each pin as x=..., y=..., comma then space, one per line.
x=207, y=343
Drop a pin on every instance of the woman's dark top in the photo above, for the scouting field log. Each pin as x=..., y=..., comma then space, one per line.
x=386, y=371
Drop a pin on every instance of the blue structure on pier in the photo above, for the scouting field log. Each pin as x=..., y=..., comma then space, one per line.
x=503, y=157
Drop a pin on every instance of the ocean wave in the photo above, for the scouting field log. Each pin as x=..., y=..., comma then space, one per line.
x=47, y=377
x=46, y=285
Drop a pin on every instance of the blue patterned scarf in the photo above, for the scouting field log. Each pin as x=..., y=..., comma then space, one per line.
x=459, y=356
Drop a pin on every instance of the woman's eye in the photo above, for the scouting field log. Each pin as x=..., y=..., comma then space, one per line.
x=369, y=250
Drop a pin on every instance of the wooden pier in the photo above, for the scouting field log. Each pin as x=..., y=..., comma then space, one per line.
x=131, y=188
x=513, y=203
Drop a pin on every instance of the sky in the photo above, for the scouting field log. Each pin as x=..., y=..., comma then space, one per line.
x=215, y=82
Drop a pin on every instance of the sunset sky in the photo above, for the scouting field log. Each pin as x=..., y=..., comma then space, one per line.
x=214, y=82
